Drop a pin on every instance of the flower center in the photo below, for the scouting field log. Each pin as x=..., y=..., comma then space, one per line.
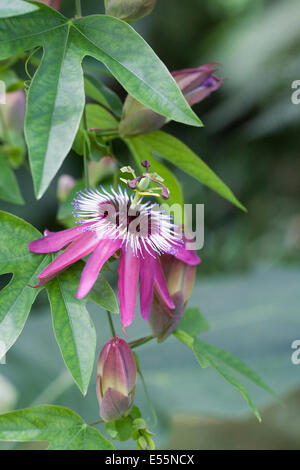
x=144, y=226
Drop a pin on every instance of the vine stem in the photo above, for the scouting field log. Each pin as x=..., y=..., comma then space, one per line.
x=152, y=408
x=111, y=325
x=140, y=342
x=78, y=8
x=100, y=421
x=85, y=152
x=85, y=166
x=4, y=127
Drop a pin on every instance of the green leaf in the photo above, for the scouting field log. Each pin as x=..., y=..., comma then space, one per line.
x=193, y=322
x=188, y=340
x=135, y=66
x=236, y=364
x=201, y=353
x=191, y=325
x=185, y=338
x=103, y=295
x=56, y=96
x=140, y=153
x=14, y=148
x=99, y=117
x=99, y=92
x=73, y=327
x=15, y=8
x=176, y=152
x=61, y=427
x=9, y=188
x=10, y=78
x=120, y=429
x=135, y=412
x=17, y=297
x=52, y=118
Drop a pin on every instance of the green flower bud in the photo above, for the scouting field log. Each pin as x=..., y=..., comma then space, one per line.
x=129, y=10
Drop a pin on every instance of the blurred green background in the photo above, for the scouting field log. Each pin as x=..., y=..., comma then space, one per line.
x=248, y=282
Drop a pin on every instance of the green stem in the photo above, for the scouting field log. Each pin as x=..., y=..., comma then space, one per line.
x=140, y=341
x=111, y=325
x=106, y=132
x=85, y=166
x=78, y=8
x=3, y=125
x=97, y=422
x=85, y=152
x=135, y=200
x=151, y=406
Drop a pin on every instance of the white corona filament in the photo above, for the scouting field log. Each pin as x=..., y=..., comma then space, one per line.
x=144, y=227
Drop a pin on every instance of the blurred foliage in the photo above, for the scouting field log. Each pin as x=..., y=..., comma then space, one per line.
x=251, y=132
x=250, y=140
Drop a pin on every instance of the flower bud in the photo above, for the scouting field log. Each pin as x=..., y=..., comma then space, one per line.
x=64, y=185
x=164, y=321
x=195, y=84
x=137, y=119
x=116, y=379
x=180, y=277
x=129, y=10
x=52, y=3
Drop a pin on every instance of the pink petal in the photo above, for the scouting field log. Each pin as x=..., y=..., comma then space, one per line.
x=114, y=405
x=43, y=281
x=119, y=371
x=55, y=241
x=104, y=250
x=128, y=284
x=77, y=250
x=147, y=273
x=187, y=256
x=161, y=287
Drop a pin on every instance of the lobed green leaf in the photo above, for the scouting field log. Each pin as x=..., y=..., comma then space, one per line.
x=17, y=297
x=61, y=427
x=56, y=96
x=73, y=327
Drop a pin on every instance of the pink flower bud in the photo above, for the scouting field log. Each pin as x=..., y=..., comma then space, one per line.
x=195, y=84
x=180, y=276
x=52, y=3
x=180, y=273
x=116, y=379
x=64, y=185
x=129, y=10
x=163, y=321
